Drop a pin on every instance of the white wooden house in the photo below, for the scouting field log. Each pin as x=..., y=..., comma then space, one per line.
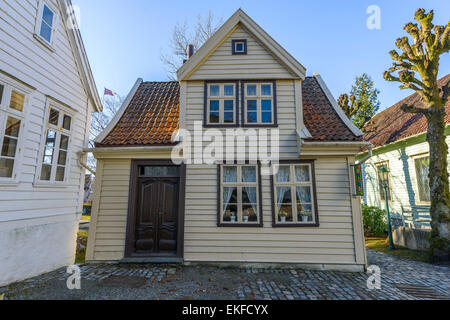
x=47, y=95
x=148, y=207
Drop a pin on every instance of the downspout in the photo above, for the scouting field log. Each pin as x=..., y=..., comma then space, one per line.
x=369, y=155
x=83, y=164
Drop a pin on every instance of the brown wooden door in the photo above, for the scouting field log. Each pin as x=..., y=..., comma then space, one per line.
x=156, y=216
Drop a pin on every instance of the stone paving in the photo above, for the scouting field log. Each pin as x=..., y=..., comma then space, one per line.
x=128, y=281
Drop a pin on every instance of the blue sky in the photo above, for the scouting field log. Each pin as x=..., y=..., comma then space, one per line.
x=124, y=39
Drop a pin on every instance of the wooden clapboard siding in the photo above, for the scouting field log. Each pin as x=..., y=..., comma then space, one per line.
x=258, y=63
x=332, y=242
x=403, y=178
x=51, y=73
x=285, y=111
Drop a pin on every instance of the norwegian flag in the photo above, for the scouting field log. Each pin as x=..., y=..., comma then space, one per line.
x=108, y=93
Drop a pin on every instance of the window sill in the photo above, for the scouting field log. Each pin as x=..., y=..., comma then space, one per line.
x=260, y=125
x=295, y=225
x=220, y=125
x=240, y=225
x=44, y=42
x=9, y=183
x=41, y=184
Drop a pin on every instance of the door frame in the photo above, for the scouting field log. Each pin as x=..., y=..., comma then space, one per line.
x=132, y=201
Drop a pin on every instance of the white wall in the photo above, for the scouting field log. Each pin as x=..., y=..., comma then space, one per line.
x=25, y=204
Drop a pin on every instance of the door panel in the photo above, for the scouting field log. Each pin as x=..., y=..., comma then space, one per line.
x=156, y=216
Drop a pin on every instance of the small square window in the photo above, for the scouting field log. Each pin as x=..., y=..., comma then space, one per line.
x=239, y=46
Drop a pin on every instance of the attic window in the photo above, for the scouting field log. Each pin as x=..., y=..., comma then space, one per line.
x=239, y=46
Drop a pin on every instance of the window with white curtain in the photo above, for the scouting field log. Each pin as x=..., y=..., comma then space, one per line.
x=239, y=201
x=422, y=165
x=294, y=194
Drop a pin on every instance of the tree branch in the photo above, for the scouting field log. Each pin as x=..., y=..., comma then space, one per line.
x=413, y=109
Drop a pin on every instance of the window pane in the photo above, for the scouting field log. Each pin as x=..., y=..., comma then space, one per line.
x=228, y=117
x=284, y=195
x=214, y=117
x=302, y=174
x=230, y=213
x=229, y=105
x=48, y=155
x=252, y=117
x=304, y=213
x=285, y=212
x=228, y=90
x=46, y=172
x=155, y=171
x=9, y=147
x=239, y=47
x=67, y=122
x=251, y=90
x=251, y=105
x=214, y=91
x=423, y=181
x=6, y=168
x=47, y=16
x=62, y=158
x=2, y=87
x=53, y=117
x=60, y=173
x=51, y=138
x=266, y=105
x=249, y=211
x=64, y=144
x=248, y=174
x=46, y=31
x=229, y=196
x=266, y=90
x=214, y=105
x=303, y=194
x=249, y=195
x=12, y=127
x=17, y=101
x=229, y=174
x=266, y=117
x=283, y=174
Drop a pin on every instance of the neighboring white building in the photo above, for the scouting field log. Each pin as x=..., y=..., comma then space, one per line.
x=400, y=145
x=47, y=95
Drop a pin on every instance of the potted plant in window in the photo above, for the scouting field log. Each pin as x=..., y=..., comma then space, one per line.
x=283, y=215
x=305, y=214
x=245, y=215
x=233, y=216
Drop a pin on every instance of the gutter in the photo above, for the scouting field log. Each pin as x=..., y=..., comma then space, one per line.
x=338, y=143
x=115, y=149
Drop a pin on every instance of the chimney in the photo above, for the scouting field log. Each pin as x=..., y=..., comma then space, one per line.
x=190, y=50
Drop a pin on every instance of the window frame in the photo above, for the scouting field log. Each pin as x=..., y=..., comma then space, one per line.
x=292, y=163
x=258, y=184
x=234, y=42
x=414, y=158
x=37, y=29
x=59, y=130
x=207, y=98
x=380, y=190
x=259, y=97
x=11, y=85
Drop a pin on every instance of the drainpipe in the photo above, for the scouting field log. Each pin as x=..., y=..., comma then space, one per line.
x=83, y=164
x=369, y=155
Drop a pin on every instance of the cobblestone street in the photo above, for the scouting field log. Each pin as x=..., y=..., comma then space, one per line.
x=400, y=279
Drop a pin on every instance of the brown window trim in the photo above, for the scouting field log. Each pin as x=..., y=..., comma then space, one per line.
x=132, y=199
x=205, y=105
x=219, y=185
x=316, y=208
x=242, y=106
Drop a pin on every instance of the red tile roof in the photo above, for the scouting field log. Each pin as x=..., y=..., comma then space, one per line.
x=393, y=124
x=153, y=116
x=319, y=116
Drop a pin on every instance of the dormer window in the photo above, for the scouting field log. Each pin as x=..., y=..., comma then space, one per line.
x=239, y=46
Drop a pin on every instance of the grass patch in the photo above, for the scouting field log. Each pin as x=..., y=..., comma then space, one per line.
x=86, y=218
x=80, y=255
x=380, y=244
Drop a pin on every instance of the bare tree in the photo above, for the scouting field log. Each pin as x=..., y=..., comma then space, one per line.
x=100, y=121
x=183, y=35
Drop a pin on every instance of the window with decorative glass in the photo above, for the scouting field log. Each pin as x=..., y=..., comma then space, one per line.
x=422, y=165
x=56, y=146
x=382, y=182
x=12, y=114
x=259, y=103
x=239, y=194
x=294, y=194
x=221, y=104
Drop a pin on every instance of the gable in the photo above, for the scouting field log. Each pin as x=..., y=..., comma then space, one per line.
x=258, y=63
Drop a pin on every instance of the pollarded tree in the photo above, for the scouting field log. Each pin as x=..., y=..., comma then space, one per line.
x=421, y=58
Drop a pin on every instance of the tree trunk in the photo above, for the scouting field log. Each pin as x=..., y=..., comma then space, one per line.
x=439, y=186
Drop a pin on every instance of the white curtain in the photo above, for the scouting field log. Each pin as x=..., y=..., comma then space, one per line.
x=227, y=193
x=282, y=176
x=229, y=175
x=281, y=191
x=251, y=193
